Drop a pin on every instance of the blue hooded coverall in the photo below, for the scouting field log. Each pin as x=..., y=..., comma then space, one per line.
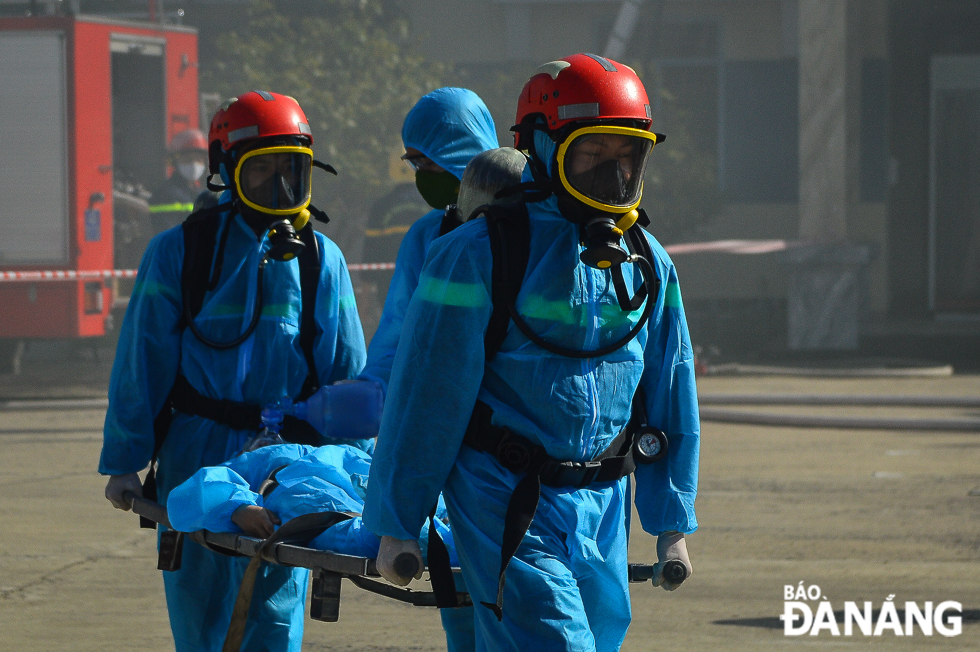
x=450, y=126
x=328, y=478
x=266, y=367
x=566, y=586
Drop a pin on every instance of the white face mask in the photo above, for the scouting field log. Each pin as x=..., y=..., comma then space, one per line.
x=191, y=171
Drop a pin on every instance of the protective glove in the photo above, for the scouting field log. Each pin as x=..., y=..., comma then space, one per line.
x=120, y=484
x=670, y=546
x=389, y=551
x=256, y=521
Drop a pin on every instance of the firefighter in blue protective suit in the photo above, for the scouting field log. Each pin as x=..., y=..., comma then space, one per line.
x=235, y=496
x=525, y=436
x=442, y=132
x=240, y=306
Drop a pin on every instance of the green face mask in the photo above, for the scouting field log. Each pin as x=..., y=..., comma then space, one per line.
x=438, y=189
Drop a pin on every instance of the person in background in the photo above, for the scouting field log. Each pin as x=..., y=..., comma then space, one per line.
x=391, y=217
x=442, y=133
x=175, y=198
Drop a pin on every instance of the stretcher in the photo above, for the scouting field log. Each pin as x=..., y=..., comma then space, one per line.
x=328, y=568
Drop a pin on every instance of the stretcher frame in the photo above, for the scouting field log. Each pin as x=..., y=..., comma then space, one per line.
x=328, y=568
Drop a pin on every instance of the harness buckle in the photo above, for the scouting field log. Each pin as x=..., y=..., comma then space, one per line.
x=589, y=471
x=570, y=474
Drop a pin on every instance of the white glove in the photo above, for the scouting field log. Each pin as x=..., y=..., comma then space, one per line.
x=120, y=484
x=390, y=549
x=670, y=546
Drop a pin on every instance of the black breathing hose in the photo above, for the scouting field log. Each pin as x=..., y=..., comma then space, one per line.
x=256, y=314
x=646, y=269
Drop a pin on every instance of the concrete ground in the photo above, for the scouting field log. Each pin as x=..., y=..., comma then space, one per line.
x=862, y=514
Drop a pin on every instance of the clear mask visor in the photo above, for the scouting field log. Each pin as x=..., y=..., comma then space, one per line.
x=275, y=180
x=603, y=167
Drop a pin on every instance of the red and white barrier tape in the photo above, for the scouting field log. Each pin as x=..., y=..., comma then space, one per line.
x=369, y=267
x=731, y=247
x=67, y=275
x=717, y=246
x=99, y=275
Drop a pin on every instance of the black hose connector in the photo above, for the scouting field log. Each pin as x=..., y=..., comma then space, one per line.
x=284, y=241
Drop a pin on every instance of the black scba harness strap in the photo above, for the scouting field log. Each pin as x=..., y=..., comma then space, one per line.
x=519, y=455
x=237, y=416
x=509, y=230
x=450, y=220
x=271, y=483
x=510, y=244
x=202, y=268
x=200, y=273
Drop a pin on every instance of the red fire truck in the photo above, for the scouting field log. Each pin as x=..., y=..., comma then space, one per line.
x=87, y=107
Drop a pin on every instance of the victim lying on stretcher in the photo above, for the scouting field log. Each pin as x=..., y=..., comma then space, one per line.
x=255, y=492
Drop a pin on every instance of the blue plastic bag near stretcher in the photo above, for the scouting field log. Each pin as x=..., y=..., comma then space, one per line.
x=344, y=410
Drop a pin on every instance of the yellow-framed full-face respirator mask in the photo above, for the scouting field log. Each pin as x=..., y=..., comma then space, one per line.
x=276, y=181
x=602, y=168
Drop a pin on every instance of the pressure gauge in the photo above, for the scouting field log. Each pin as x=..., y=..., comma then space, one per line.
x=649, y=445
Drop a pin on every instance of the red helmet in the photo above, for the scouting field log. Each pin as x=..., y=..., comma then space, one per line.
x=579, y=88
x=189, y=140
x=256, y=114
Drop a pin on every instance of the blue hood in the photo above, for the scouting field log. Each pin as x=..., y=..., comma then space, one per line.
x=450, y=126
x=545, y=148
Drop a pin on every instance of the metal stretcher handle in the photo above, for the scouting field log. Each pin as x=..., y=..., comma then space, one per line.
x=147, y=508
x=407, y=565
x=675, y=572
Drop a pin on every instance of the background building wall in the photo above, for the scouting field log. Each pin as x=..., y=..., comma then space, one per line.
x=735, y=68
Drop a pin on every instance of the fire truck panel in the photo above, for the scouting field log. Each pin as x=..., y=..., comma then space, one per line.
x=87, y=102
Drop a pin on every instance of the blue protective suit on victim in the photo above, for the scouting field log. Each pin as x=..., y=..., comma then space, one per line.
x=328, y=478
x=450, y=126
x=267, y=366
x=566, y=586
